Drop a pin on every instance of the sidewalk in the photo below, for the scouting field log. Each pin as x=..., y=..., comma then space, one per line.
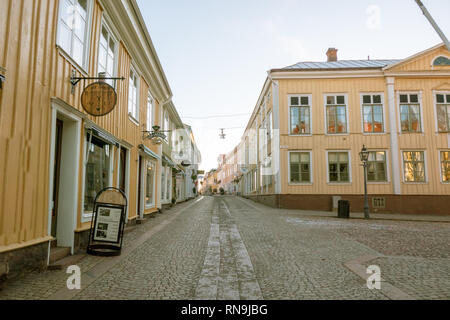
x=360, y=215
x=374, y=216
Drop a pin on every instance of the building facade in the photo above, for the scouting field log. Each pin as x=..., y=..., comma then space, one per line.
x=55, y=156
x=301, y=145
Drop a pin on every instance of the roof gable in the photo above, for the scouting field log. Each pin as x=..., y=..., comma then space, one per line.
x=424, y=61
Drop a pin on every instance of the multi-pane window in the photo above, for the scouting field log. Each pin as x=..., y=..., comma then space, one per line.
x=97, y=176
x=338, y=167
x=133, y=95
x=376, y=166
x=443, y=112
x=300, y=114
x=168, y=182
x=149, y=185
x=336, y=114
x=163, y=183
x=445, y=166
x=372, y=113
x=149, y=111
x=414, y=166
x=300, y=167
x=410, y=113
x=106, y=54
x=269, y=133
x=72, y=28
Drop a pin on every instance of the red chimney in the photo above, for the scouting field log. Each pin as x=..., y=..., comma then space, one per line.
x=332, y=54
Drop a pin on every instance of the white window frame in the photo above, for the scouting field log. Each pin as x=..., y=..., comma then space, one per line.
x=346, y=114
x=425, y=163
x=439, y=166
x=388, y=177
x=87, y=37
x=151, y=106
x=436, y=92
x=399, y=120
x=111, y=34
x=310, y=102
x=87, y=216
x=382, y=108
x=349, y=167
x=127, y=172
x=131, y=116
x=152, y=203
x=311, y=169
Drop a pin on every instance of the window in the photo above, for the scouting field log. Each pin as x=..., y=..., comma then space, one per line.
x=414, y=166
x=133, y=110
x=336, y=114
x=300, y=110
x=441, y=61
x=149, y=183
x=269, y=133
x=410, y=113
x=149, y=111
x=445, y=166
x=372, y=108
x=300, y=167
x=376, y=166
x=443, y=112
x=72, y=29
x=106, y=54
x=168, y=182
x=338, y=167
x=166, y=124
x=97, y=176
x=163, y=183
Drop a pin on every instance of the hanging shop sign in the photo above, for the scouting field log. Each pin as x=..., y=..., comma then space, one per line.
x=98, y=99
x=108, y=223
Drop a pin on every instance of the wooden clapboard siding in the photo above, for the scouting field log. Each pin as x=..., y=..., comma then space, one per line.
x=26, y=54
x=36, y=71
x=319, y=142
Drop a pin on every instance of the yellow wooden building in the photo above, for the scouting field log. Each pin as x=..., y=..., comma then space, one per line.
x=313, y=118
x=54, y=156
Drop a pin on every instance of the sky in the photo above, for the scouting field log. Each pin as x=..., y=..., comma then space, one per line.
x=216, y=53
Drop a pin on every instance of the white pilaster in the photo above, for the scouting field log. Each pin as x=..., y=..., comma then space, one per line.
x=276, y=136
x=395, y=154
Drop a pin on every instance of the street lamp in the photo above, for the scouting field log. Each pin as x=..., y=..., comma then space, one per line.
x=364, y=155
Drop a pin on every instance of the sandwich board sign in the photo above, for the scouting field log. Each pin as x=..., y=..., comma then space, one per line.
x=108, y=223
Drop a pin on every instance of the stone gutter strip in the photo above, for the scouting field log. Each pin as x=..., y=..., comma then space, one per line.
x=358, y=267
x=87, y=278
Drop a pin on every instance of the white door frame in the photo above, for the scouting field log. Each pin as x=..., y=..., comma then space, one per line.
x=70, y=156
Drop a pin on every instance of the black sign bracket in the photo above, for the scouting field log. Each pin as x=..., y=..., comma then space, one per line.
x=74, y=80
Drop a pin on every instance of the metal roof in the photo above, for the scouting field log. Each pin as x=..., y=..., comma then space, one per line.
x=342, y=64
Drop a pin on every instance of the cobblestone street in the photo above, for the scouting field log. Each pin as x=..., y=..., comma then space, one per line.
x=232, y=248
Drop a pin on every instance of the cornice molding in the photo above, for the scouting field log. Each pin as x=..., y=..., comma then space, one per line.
x=134, y=36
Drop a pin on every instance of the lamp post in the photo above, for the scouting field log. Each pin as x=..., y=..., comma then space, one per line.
x=364, y=155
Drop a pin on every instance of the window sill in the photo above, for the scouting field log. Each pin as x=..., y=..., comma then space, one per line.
x=66, y=56
x=300, y=135
x=426, y=182
x=133, y=119
x=339, y=183
x=300, y=184
x=337, y=134
x=373, y=133
x=379, y=182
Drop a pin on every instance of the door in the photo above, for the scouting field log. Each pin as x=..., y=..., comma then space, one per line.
x=123, y=168
x=139, y=197
x=56, y=175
